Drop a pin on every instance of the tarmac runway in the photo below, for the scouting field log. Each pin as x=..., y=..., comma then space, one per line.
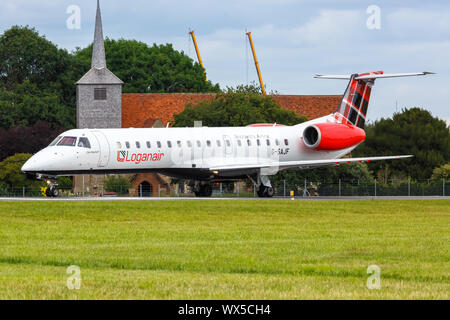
x=229, y=199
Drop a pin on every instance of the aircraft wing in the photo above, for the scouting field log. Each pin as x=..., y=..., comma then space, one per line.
x=304, y=163
x=233, y=167
x=327, y=162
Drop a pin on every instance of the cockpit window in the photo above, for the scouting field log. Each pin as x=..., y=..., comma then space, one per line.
x=54, y=141
x=68, y=141
x=84, y=143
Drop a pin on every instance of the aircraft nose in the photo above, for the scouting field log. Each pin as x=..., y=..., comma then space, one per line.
x=30, y=165
x=45, y=160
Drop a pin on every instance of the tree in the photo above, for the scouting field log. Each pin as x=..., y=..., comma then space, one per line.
x=28, y=104
x=27, y=139
x=442, y=172
x=143, y=68
x=118, y=184
x=65, y=183
x=35, y=81
x=236, y=107
x=25, y=55
x=11, y=175
x=413, y=131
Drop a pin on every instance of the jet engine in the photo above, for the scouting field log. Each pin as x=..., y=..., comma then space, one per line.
x=332, y=136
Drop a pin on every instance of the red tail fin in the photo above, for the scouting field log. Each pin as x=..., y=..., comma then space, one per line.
x=355, y=102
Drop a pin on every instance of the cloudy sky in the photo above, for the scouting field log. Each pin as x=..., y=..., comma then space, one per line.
x=294, y=39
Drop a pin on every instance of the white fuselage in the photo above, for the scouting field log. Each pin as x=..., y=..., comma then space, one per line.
x=180, y=152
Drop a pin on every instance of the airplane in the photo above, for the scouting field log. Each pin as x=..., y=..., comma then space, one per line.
x=206, y=155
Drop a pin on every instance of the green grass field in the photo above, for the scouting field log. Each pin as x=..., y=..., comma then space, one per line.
x=225, y=249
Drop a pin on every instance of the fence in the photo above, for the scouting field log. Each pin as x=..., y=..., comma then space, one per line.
x=364, y=188
x=303, y=188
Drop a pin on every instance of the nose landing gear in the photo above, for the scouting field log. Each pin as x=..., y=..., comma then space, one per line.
x=51, y=191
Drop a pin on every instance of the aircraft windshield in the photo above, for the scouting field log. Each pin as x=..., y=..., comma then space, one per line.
x=84, y=143
x=54, y=141
x=68, y=141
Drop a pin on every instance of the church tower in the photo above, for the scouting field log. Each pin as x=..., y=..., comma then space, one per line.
x=99, y=91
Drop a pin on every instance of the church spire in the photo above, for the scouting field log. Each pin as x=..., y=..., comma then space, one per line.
x=98, y=51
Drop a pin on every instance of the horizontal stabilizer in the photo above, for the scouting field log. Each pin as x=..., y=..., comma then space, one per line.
x=332, y=76
x=392, y=75
x=372, y=76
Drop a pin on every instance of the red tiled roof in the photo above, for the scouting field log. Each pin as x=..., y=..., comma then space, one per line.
x=139, y=108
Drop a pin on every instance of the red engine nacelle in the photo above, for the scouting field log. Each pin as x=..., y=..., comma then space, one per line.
x=332, y=136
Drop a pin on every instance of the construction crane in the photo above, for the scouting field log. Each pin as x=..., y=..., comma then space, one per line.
x=198, y=52
x=249, y=34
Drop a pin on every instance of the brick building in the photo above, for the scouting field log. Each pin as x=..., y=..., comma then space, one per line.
x=139, y=108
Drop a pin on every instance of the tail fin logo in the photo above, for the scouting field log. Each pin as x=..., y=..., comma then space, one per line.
x=354, y=103
x=121, y=156
x=356, y=98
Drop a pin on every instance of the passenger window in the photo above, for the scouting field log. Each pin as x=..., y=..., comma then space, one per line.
x=169, y=144
x=54, y=141
x=189, y=144
x=68, y=141
x=268, y=142
x=208, y=143
x=138, y=144
x=119, y=145
x=218, y=143
x=179, y=144
x=159, y=144
x=228, y=143
x=258, y=142
x=84, y=143
x=249, y=143
x=127, y=144
x=199, y=144
x=277, y=142
x=148, y=144
x=286, y=142
x=239, y=143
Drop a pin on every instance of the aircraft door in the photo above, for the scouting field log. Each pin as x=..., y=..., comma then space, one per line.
x=103, y=148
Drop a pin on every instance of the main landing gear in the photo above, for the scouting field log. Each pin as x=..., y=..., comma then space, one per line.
x=265, y=192
x=265, y=189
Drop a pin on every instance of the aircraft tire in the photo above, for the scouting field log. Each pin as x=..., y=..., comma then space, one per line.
x=55, y=192
x=52, y=192
x=269, y=192
x=265, y=192
x=261, y=191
